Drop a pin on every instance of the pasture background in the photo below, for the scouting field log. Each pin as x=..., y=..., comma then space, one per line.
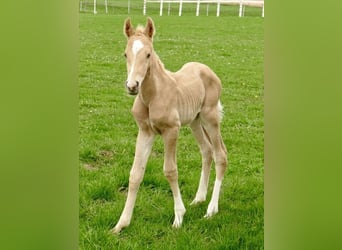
x=233, y=48
x=39, y=134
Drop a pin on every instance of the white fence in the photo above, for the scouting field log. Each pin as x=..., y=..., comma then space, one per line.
x=107, y=6
x=241, y=3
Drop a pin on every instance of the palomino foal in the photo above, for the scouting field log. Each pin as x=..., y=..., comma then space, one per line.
x=165, y=101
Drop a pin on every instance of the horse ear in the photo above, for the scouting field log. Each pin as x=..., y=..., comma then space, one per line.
x=128, y=28
x=149, y=28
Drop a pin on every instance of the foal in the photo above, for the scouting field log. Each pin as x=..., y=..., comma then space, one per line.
x=165, y=101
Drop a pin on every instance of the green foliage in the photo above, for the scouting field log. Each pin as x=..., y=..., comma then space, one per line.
x=233, y=48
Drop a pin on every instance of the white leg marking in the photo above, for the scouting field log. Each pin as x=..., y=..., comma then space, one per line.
x=179, y=211
x=202, y=189
x=213, y=205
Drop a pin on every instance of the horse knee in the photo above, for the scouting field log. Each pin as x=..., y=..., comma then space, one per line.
x=171, y=174
x=135, y=178
x=207, y=152
x=221, y=166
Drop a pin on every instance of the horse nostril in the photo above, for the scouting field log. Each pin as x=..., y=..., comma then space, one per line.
x=137, y=83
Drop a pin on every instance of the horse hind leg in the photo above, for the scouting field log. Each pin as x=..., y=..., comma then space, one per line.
x=211, y=122
x=220, y=158
x=207, y=158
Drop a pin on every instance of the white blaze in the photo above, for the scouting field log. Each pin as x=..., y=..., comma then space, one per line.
x=137, y=46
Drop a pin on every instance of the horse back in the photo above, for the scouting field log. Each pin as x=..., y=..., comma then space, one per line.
x=197, y=86
x=201, y=80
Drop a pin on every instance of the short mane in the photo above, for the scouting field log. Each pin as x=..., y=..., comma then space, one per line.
x=139, y=30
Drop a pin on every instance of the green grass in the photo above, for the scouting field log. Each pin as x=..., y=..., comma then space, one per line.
x=233, y=48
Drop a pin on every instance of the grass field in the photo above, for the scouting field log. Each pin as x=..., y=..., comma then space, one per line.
x=233, y=48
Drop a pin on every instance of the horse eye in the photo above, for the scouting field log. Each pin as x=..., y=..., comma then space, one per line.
x=148, y=55
x=125, y=55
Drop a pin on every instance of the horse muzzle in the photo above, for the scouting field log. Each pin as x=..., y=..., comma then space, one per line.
x=132, y=89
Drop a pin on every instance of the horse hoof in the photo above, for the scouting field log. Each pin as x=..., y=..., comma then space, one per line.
x=212, y=210
x=196, y=201
x=115, y=230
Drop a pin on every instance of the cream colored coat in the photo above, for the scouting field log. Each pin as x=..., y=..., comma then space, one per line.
x=165, y=101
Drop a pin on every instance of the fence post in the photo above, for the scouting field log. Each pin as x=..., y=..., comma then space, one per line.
x=180, y=7
x=197, y=7
x=161, y=8
x=144, y=8
x=218, y=8
x=240, y=9
x=95, y=12
x=169, y=8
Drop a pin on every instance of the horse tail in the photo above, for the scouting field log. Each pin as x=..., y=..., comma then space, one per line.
x=220, y=114
x=220, y=110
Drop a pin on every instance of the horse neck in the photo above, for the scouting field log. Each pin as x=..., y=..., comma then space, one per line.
x=156, y=76
x=157, y=67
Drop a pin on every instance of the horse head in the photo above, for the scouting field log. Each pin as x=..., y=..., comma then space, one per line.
x=138, y=53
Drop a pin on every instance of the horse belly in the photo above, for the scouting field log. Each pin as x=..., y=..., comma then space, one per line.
x=189, y=105
x=187, y=117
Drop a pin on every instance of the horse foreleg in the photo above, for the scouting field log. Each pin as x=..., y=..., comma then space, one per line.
x=170, y=170
x=142, y=152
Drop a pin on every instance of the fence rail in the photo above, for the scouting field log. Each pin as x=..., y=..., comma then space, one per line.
x=178, y=6
x=241, y=3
